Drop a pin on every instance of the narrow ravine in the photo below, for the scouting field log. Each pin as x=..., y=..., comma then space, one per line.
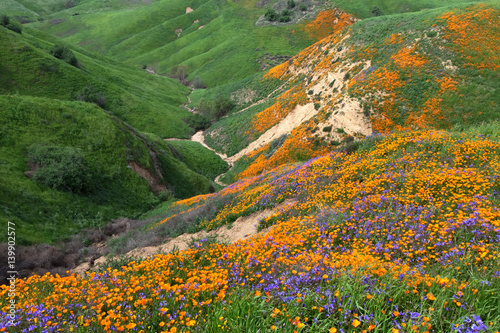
x=198, y=137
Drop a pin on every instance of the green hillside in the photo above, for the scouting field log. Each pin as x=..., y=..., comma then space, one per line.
x=74, y=114
x=149, y=103
x=216, y=36
x=108, y=146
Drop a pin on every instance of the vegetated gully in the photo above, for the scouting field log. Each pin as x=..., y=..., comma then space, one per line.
x=198, y=137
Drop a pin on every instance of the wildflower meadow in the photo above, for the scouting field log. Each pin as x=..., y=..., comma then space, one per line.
x=400, y=235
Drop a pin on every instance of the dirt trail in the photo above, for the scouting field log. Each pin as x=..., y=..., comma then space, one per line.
x=297, y=116
x=260, y=101
x=198, y=137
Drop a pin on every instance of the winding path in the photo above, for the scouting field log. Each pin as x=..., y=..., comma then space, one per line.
x=198, y=137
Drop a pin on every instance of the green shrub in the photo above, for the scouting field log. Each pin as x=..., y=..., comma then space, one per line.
x=6, y=22
x=65, y=54
x=291, y=4
x=271, y=15
x=216, y=108
x=179, y=72
x=431, y=34
x=303, y=7
x=317, y=106
x=376, y=11
x=61, y=168
x=284, y=18
x=165, y=195
x=198, y=83
x=90, y=95
x=197, y=121
x=327, y=128
x=14, y=27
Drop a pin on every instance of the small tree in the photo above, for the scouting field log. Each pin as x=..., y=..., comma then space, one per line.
x=91, y=95
x=271, y=15
x=61, y=168
x=65, y=54
x=6, y=22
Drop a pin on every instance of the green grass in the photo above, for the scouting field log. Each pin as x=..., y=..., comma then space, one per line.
x=198, y=158
x=148, y=102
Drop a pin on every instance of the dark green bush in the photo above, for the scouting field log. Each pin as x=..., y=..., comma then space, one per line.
x=222, y=106
x=179, y=72
x=376, y=11
x=14, y=27
x=197, y=122
x=216, y=108
x=327, y=128
x=165, y=195
x=291, y=4
x=317, y=106
x=65, y=54
x=61, y=168
x=431, y=34
x=284, y=18
x=272, y=15
x=303, y=7
x=90, y=95
x=6, y=22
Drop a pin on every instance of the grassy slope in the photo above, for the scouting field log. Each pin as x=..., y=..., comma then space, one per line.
x=198, y=158
x=146, y=36
x=149, y=103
